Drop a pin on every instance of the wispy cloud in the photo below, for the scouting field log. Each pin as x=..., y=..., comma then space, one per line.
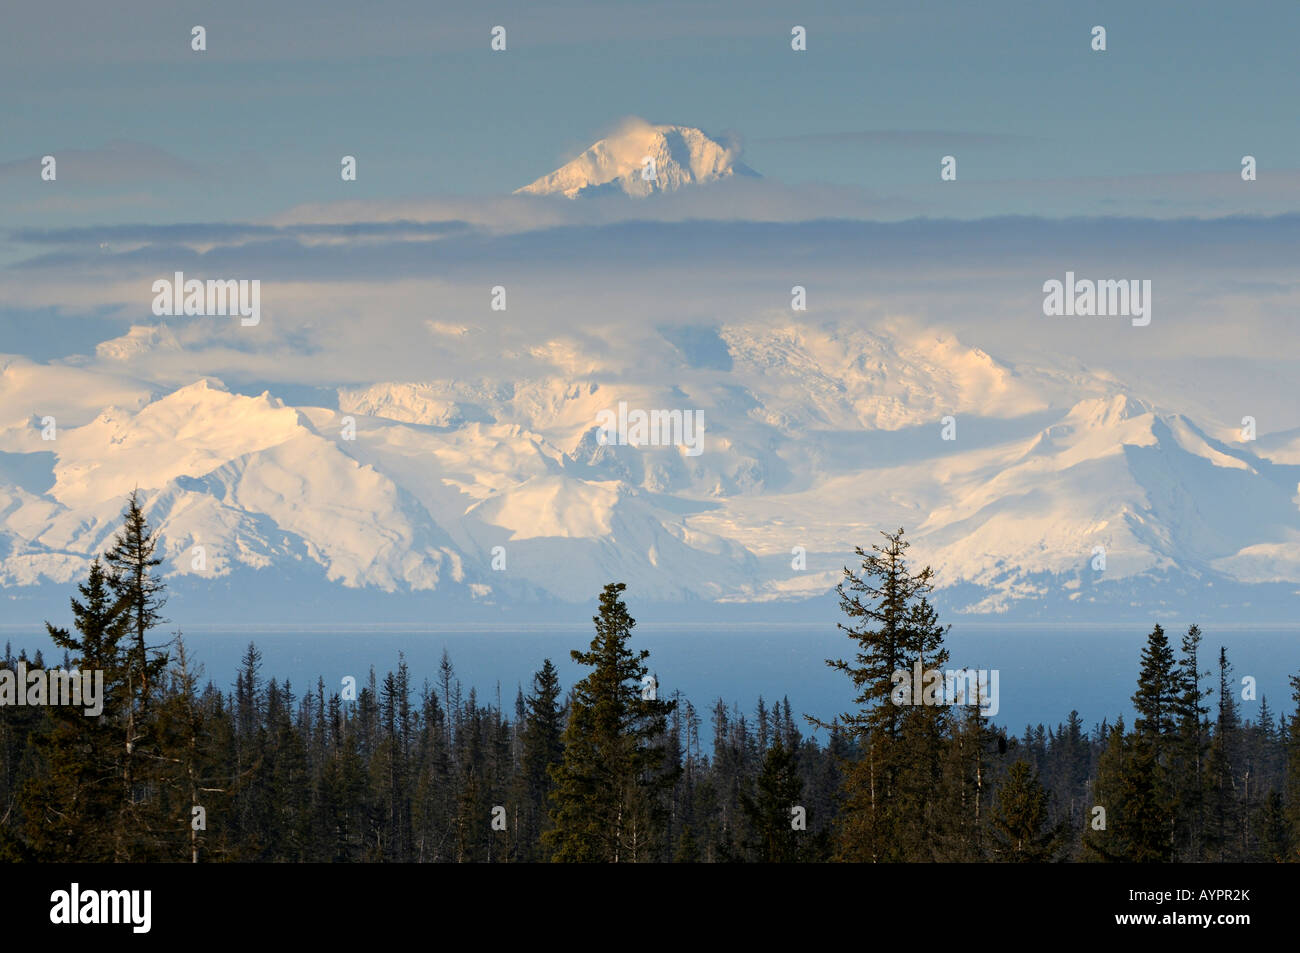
x=213, y=233
x=117, y=162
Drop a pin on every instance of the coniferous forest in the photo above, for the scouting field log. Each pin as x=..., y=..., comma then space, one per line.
x=418, y=768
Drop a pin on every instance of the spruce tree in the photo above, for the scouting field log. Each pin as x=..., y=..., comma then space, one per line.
x=1021, y=829
x=1157, y=693
x=771, y=810
x=543, y=749
x=1076, y=758
x=432, y=804
x=886, y=810
x=1137, y=808
x=965, y=786
x=132, y=562
x=926, y=728
x=1188, y=763
x=607, y=801
x=72, y=800
x=1156, y=702
x=1223, y=810
x=192, y=772
x=1145, y=821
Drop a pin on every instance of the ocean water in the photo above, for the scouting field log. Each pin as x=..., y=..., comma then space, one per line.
x=1043, y=673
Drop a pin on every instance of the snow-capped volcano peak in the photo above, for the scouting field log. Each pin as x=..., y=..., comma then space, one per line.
x=640, y=159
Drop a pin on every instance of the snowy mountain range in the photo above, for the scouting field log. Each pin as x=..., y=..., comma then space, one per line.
x=1035, y=486
x=493, y=492
x=640, y=159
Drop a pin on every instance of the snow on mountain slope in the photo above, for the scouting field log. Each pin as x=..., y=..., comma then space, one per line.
x=249, y=480
x=190, y=432
x=356, y=522
x=814, y=439
x=566, y=535
x=875, y=381
x=640, y=159
x=1152, y=491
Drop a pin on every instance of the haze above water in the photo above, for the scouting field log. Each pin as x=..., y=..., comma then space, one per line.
x=1044, y=672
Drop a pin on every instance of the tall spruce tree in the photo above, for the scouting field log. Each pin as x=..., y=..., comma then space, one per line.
x=607, y=801
x=1223, y=808
x=886, y=808
x=1156, y=703
x=1157, y=693
x=543, y=749
x=132, y=562
x=1191, y=745
x=72, y=803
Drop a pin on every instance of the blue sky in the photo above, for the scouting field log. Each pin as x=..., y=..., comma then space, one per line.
x=1040, y=123
x=1123, y=164
x=227, y=162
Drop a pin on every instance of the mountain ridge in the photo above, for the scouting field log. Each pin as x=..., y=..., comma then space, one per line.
x=640, y=159
x=494, y=493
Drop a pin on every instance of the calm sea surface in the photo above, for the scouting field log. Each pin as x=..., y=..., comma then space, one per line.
x=1043, y=673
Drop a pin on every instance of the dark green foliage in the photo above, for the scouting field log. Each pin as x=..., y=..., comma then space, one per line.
x=1157, y=693
x=1190, y=745
x=1021, y=830
x=543, y=749
x=775, y=809
x=400, y=774
x=608, y=801
x=72, y=799
x=1136, y=815
x=1292, y=782
x=132, y=562
x=1225, y=802
x=885, y=812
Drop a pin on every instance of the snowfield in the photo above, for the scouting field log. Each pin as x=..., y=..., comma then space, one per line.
x=816, y=437
x=640, y=159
